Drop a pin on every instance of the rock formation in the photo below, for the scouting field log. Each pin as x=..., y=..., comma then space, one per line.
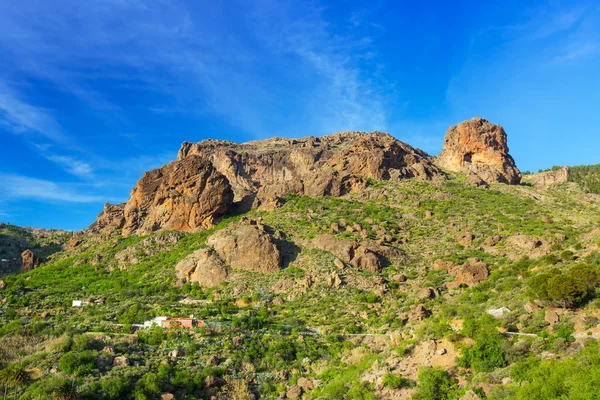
x=349, y=251
x=247, y=246
x=192, y=193
x=188, y=195
x=109, y=219
x=549, y=178
x=337, y=164
x=204, y=267
x=480, y=148
x=30, y=261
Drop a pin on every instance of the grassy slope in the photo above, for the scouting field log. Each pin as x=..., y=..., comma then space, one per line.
x=138, y=292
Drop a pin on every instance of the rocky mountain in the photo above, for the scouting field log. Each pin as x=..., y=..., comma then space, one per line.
x=211, y=177
x=350, y=266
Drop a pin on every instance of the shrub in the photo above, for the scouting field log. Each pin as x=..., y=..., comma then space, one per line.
x=487, y=354
x=434, y=384
x=78, y=363
x=393, y=381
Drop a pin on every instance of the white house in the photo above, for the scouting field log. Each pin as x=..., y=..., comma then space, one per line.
x=4, y=260
x=79, y=303
x=156, y=321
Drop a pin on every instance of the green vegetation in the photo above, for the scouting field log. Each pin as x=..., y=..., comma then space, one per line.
x=265, y=334
x=587, y=176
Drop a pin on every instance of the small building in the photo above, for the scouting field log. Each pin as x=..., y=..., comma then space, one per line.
x=79, y=303
x=4, y=260
x=156, y=321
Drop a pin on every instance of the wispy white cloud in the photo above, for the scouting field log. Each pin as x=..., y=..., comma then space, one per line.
x=23, y=187
x=73, y=165
x=24, y=118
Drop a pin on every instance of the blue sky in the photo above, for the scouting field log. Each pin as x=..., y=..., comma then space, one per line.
x=93, y=93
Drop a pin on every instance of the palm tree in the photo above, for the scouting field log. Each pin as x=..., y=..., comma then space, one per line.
x=15, y=376
x=5, y=380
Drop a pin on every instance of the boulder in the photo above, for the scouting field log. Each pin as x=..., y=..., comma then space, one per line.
x=29, y=261
x=478, y=147
x=491, y=241
x=470, y=395
x=247, y=246
x=366, y=260
x=472, y=273
x=498, y=312
x=294, y=392
x=464, y=238
x=120, y=361
x=426, y=294
x=551, y=317
x=306, y=384
x=2, y=284
x=212, y=381
x=343, y=249
x=204, y=267
x=334, y=280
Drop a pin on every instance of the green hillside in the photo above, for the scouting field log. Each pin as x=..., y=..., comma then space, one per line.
x=372, y=336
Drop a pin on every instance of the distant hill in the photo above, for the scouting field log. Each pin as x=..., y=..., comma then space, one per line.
x=15, y=239
x=586, y=176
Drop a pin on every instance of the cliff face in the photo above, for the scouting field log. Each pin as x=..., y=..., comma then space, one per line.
x=478, y=147
x=331, y=165
x=193, y=192
x=210, y=177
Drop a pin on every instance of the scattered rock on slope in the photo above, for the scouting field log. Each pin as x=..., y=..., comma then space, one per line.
x=479, y=147
x=247, y=246
x=359, y=256
x=204, y=267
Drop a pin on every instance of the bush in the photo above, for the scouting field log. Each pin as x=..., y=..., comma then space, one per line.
x=393, y=381
x=435, y=384
x=487, y=354
x=78, y=363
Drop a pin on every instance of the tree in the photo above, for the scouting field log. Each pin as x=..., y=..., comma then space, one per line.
x=13, y=376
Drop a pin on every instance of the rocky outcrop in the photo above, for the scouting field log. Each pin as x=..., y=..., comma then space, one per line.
x=188, y=195
x=204, y=267
x=549, y=178
x=349, y=251
x=29, y=261
x=334, y=165
x=192, y=193
x=148, y=247
x=110, y=219
x=247, y=246
x=478, y=147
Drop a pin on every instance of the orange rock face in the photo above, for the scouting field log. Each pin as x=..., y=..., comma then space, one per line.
x=333, y=165
x=478, y=147
x=193, y=192
x=188, y=195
